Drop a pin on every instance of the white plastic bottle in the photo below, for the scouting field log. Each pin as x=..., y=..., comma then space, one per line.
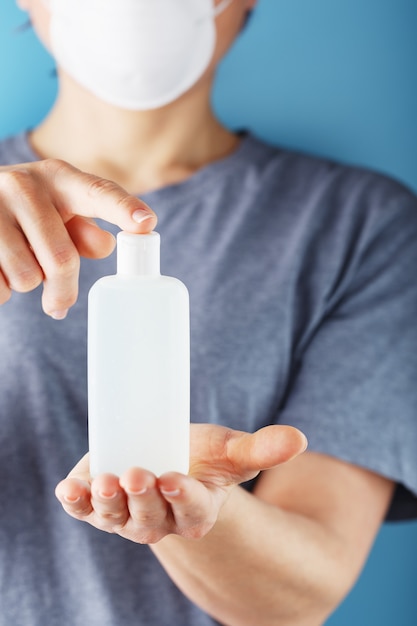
x=138, y=364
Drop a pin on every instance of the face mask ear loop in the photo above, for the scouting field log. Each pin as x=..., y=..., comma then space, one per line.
x=216, y=10
x=221, y=7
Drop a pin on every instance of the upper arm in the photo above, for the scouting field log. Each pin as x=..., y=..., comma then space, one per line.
x=349, y=502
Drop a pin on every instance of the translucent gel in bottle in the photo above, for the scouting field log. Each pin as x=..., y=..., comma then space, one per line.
x=138, y=364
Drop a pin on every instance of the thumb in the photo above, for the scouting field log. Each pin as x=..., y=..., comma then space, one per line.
x=266, y=448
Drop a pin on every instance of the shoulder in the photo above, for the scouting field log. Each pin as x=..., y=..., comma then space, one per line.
x=325, y=195
x=308, y=173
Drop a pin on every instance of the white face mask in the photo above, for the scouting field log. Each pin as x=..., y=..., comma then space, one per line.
x=135, y=54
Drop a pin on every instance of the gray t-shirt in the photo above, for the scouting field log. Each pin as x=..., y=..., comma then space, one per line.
x=303, y=287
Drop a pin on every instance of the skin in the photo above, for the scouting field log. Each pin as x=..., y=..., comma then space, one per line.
x=303, y=535
x=45, y=223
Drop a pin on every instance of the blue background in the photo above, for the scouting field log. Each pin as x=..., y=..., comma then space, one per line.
x=334, y=78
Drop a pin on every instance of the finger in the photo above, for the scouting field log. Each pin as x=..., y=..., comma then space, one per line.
x=194, y=506
x=109, y=503
x=150, y=518
x=78, y=193
x=48, y=241
x=60, y=262
x=56, y=254
x=91, y=241
x=266, y=448
x=74, y=492
x=75, y=496
x=20, y=269
x=5, y=291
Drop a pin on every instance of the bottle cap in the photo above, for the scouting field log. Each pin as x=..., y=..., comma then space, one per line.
x=138, y=255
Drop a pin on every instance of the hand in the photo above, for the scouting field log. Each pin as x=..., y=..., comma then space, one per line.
x=143, y=508
x=45, y=226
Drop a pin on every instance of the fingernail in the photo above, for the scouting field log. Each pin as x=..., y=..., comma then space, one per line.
x=70, y=500
x=140, y=216
x=170, y=494
x=136, y=492
x=59, y=315
x=107, y=496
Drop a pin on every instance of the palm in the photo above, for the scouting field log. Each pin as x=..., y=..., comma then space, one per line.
x=144, y=508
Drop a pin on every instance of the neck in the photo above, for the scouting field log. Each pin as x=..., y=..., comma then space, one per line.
x=140, y=150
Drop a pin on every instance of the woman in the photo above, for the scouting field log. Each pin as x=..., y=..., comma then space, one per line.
x=302, y=307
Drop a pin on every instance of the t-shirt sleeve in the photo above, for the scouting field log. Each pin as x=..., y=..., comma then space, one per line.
x=354, y=390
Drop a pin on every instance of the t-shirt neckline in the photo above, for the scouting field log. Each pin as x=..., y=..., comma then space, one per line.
x=191, y=185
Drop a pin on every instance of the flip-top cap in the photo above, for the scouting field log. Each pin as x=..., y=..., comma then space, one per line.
x=138, y=255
